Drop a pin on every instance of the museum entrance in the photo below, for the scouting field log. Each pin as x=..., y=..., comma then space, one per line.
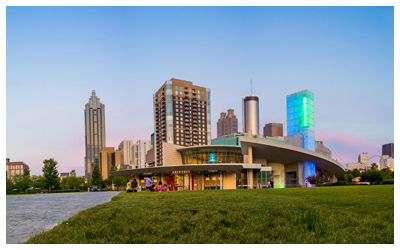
x=212, y=181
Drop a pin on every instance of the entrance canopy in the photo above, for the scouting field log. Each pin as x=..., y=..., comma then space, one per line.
x=196, y=167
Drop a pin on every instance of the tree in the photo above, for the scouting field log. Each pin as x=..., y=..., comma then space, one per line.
x=96, y=176
x=356, y=172
x=118, y=180
x=73, y=173
x=50, y=174
x=386, y=173
x=18, y=182
x=37, y=181
x=348, y=176
x=9, y=183
x=73, y=182
x=372, y=175
x=27, y=178
x=374, y=166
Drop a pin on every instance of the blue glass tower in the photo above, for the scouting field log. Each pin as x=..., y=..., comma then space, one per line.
x=300, y=120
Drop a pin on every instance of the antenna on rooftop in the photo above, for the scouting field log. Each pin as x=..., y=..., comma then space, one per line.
x=251, y=82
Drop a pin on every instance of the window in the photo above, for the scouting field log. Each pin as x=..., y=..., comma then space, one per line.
x=176, y=87
x=180, y=93
x=181, y=106
x=198, y=91
x=180, y=88
x=176, y=92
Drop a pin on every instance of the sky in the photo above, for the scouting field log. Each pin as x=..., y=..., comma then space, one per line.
x=56, y=56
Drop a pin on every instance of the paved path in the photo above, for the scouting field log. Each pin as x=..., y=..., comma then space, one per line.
x=32, y=214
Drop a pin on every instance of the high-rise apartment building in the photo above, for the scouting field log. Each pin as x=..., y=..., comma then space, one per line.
x=250, y=106
x=109, y=157
x=15, y=168
x=227, y=124
x=364, y=159
x=95, y=132
x=388, y=149
x=182, y=116
x=125, y=147
x=300, y=121
x=273, y=129
x=139, y=151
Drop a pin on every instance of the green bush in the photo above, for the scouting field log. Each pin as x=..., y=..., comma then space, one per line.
x=388, y=181
x=339, y=183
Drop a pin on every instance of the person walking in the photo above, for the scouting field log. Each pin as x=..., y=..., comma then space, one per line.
x=149, y=183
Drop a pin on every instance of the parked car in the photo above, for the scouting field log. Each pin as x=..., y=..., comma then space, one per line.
x=28, y=189
x=95, y=189
x=15, y=190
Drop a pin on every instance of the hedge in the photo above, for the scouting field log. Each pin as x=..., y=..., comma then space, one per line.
x=389, y=181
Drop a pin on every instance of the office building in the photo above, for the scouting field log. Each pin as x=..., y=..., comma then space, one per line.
x=182, y=116
x=388, y=149
x=355, y=165
x=386, y=162
x=95, y=132
x=273, y=129
x=139, y=151
x=300, y=122
x=15, y=168
x=125, y=147
x=250, y=107
x=364, y=159
x=227, y=124
x=109, y=157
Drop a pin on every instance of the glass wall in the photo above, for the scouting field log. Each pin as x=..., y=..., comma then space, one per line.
x=212, y=155
x=261, y=178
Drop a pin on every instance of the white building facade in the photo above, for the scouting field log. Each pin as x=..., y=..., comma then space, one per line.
x=139, y=151
x=125, y=147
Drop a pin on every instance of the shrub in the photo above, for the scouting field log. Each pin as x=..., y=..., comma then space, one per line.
x=388, y=181
x=339, y=183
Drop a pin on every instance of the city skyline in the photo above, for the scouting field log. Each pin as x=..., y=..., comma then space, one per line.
x=345, y=62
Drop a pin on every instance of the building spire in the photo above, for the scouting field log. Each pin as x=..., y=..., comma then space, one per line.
x=251, y=82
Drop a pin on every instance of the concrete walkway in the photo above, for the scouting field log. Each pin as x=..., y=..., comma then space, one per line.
x=31, y=214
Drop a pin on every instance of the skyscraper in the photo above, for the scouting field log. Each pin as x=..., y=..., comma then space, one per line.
x=300, y=117
x=182, y=115
x=95, y=132
x=273, y=129
x=300, y=122
x=227, y=124
x=250, y=117
x=388, y=149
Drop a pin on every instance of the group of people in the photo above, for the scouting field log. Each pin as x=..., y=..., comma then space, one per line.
x=134, y=187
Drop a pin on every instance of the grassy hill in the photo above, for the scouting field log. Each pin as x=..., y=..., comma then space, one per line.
x=344, y=214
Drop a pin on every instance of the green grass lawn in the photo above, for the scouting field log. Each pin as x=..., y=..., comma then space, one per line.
x=343, y=214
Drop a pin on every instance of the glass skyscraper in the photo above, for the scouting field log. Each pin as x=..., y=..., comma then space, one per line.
x=300, y=120
x=95, y=132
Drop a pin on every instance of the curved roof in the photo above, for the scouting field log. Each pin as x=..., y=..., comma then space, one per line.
x=286, y=154
x=208, y=146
